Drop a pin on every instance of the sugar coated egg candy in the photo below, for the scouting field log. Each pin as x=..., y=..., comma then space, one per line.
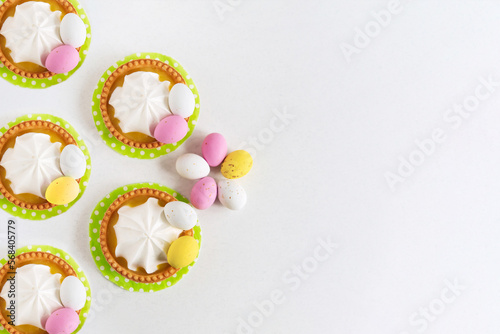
x=73, y=293
x=236, y=164
x=231, y=194
x=62, y=321
x=171, y=129
x=72, y=30
x=180, y=215
x=72, y=161
x=62, y=190
x=62, y=59
x=204, y=193
x=214, y=149
x=192, y=166
x=182, y=252
x=181, y=100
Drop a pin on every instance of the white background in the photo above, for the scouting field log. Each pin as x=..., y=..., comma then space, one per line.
x=322, y=176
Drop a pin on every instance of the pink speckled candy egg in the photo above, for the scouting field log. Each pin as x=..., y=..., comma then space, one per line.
x=62, y=321
x=171, y=129
x=204, y=193
x=62, y=59
x=214, y=149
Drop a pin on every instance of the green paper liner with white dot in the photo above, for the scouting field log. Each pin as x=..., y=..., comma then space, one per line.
x=95, y=246
x=30, y=214
x=41, y=83
x=115, y=143
x=84, y=312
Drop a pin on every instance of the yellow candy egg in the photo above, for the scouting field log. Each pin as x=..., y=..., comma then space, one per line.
x=62, y=190
x=236, y=164
x=182, y=252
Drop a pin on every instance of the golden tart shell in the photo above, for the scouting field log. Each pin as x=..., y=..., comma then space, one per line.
x=109, y=86
x=6, y=60
x=17, y=130
x=33, y=258
x=161, y=274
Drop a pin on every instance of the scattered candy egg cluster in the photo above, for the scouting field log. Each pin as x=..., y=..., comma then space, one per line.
x=174, y=127
x=65, y=189
x=73, y=296
x=65, y=57
x=234, y=165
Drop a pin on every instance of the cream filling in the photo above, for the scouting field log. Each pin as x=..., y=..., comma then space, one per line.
x=33, y=32
x=37, y=294
x=141, y=103
x=144, y=235
x=32, y=164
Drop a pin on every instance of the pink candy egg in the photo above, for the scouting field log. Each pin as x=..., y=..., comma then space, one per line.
x=214, y=149
x=171, y=129
x=62, y=321
x=62, y=59
x=204, y=193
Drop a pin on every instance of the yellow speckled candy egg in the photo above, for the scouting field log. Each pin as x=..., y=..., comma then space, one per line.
x=236, y=164
x=182, y=252
x=62, y=190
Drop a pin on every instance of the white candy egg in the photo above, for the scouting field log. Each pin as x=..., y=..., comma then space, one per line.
x=231, y=194
x=72, y=161
x=192, y=166
x=72, y=293
x=180, y=215
x=72, y=30
x=181, y=100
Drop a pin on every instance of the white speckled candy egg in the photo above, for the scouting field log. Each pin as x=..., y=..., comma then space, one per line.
x=181, y=100
x=72, y=30
x=180, y=215
x=72, y=293
x=192, y=166
x=231, y=194
x=72, y=162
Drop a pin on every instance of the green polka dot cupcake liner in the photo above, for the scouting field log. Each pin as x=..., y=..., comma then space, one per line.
x=115, y=143
x=30, y=214
x=84, y=312
x=95, y=247
x=41, y=83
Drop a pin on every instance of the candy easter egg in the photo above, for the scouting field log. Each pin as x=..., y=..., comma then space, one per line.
x=171, y=129
x=214, y=149
x=181, y=100
x=204, y=193
x=236, y=164
x=72, y=30
x=231, y=194
x=62, y=190
x=62, y=59
x=182, y=252
x=192, y=166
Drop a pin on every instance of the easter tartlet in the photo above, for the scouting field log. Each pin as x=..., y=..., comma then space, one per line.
x=135, y=235
x=145, y=106
x=43, y=169
x=42, y=42
x=46, y=281
x=141, y=238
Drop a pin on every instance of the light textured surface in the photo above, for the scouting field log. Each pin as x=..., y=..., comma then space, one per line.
x=321, y=175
